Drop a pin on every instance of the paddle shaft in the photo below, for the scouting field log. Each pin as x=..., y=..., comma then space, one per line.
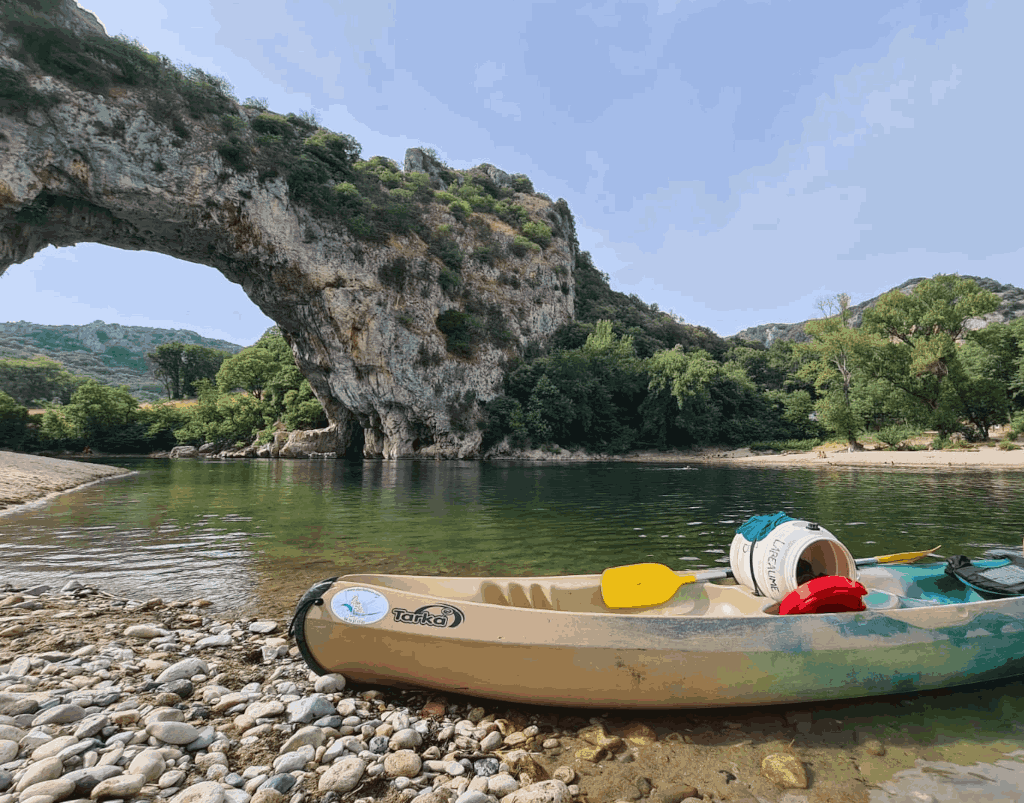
x=860, y=563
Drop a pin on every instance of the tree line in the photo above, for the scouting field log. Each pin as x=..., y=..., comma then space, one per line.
x=241, y=397
x=624, y=375
x=635, y=378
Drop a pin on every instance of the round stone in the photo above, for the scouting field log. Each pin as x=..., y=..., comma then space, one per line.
x=9, y=750
x=342, y=776
x=173, y=732
x=281, y=782
x=378, y=745
x=219, y=640
x=486, y=767
x=59, y=715
x=501, y=784
x=330, y=684
x=306, y=709
x=145, y=631
x=407, y=738
x=265, y=708
x=53, y=747
x=119, y=786
x=57, y=789
x=186, y=668
x=149, y=763
x=472, y=796
x=310, y=736
x=492, y=741
x=403, y=763
x=45, y=770
x=205, y=792
x=182, y=687
x=295, y=760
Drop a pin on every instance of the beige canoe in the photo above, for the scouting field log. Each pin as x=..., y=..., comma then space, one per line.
x=551, y=640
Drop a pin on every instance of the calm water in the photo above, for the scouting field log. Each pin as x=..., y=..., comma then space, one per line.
x=253, y=535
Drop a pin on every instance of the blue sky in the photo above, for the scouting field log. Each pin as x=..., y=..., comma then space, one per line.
x=732, y=161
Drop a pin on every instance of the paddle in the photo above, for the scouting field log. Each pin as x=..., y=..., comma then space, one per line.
x=643, y=584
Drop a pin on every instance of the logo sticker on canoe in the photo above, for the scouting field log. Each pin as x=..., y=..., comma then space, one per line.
x=359, y=606
x=436, y=615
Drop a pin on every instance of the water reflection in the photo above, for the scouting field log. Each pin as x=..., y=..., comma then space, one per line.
x=255, y=534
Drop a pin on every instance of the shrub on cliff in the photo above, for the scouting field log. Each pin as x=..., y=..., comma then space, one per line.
x=460, y=210
x=521, y=246
x=461, y=332
x=522, y=183
x=538, y=233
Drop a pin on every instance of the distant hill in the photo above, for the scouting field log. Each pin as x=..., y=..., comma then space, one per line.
x=108, y=352
x=1010, y=307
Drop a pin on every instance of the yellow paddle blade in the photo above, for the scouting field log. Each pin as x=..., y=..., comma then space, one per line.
x=906, y=557
x=640, y=585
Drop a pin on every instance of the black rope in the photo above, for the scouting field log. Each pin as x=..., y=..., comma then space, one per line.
x=297, y=628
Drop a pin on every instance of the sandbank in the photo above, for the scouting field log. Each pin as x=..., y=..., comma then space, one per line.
x=29, y=478
x=985, y=456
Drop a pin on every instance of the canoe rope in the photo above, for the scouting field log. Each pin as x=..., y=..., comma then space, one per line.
x=297, y=628
x=756, y=528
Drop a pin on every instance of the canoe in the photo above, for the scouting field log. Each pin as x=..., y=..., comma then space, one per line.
x=552, y=640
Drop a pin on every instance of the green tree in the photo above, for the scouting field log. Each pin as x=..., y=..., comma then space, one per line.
x=37, y=380
x=997, y=352
x=834, y=356
x=251, y=369
x=166, y=360
x=199, y=362
x=13, y=423
x=99, y=414
x=917, y=348
x=681, y=380
x=587, y=397
x=178, y=366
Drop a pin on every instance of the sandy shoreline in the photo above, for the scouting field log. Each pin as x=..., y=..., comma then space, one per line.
x=981, y=456
x=30, y=479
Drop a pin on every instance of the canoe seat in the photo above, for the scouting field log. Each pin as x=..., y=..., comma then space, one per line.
x=515, y=595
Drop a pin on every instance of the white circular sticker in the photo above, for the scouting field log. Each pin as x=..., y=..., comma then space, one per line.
x=359, y=606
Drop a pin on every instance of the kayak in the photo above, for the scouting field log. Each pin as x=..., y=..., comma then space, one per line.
x=553, y=641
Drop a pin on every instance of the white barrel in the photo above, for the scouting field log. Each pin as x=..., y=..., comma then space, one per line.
x=776, y=555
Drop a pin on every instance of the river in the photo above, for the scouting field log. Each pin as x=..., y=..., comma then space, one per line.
x=254, y=534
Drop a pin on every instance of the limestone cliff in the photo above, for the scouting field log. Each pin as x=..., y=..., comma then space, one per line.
x=401, y=302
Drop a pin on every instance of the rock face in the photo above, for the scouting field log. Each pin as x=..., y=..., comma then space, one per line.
x=361, y=316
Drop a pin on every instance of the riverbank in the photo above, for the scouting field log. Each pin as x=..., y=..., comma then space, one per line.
x=139, y=700
x=27, y=478
x=980, y=456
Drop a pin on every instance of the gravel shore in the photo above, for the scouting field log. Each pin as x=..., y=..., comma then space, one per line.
x=27, y=478
x=144, y=700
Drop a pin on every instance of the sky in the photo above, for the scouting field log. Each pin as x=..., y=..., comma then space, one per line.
x=732, y=161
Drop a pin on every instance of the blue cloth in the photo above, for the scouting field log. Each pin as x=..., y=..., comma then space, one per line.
x=757, y=527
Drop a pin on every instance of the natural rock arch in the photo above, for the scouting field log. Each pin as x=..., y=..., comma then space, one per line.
x=99, y=166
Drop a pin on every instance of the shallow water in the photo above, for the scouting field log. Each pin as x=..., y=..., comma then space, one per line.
x=255, y=534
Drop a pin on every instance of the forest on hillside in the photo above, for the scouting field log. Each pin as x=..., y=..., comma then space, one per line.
x=623, y=376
